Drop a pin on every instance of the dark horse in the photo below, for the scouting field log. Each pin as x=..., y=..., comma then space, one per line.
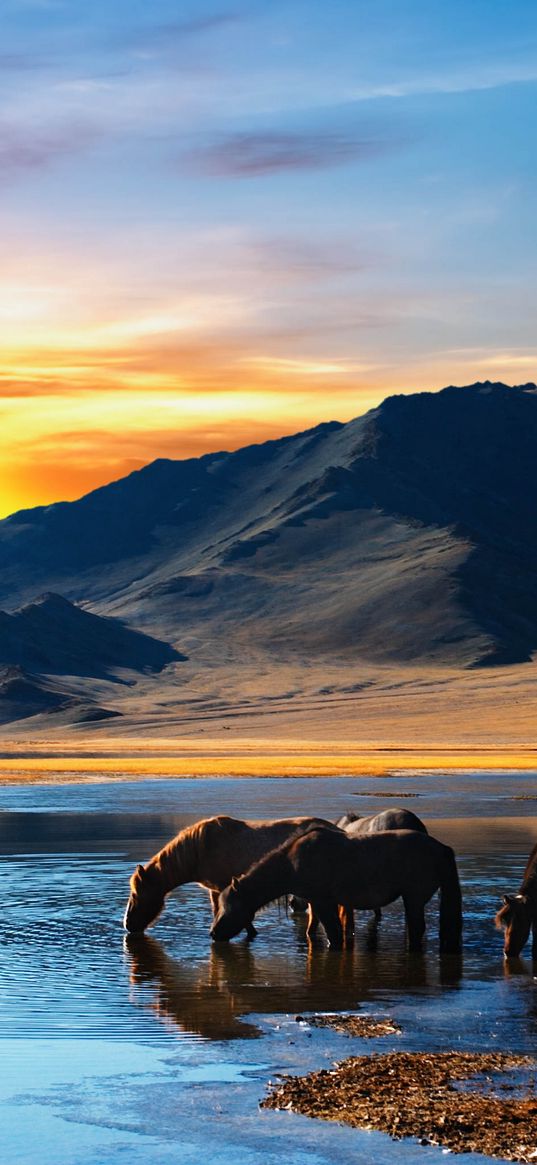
x=210, y=852
x=518, y=914
x=355, y=826
x=365, y=873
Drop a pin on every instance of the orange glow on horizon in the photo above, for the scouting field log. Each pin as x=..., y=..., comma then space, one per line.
x=98, y=379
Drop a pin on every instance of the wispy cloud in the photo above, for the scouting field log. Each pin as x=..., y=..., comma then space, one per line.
x=252, y=155
x=24, y=148
x=169, y=35
x=472, y=79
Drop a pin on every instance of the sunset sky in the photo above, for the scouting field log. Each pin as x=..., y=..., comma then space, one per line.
x=224, y=223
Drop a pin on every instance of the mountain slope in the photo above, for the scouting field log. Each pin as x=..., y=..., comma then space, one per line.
x=52, y=636
x=406, y=535
x=23, y=695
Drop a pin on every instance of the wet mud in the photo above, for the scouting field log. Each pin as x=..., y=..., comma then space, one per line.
x=367, y=1027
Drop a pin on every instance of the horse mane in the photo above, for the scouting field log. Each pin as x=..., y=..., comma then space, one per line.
x=266, y=870
x=501, y=916
x=177, y=860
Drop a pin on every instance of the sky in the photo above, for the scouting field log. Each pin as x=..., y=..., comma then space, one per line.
x=223, y=222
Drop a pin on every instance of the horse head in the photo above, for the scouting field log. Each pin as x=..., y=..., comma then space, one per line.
x=233, y=914
x=515, y=917
x=146, y=900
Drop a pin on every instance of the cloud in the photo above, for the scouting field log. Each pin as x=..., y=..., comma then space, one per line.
x=169, y=34
x=255, y=154
x=24, y=149
x=21, y=62
x=474, y=78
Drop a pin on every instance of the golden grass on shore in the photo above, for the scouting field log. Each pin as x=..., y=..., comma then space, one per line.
x=49, y=761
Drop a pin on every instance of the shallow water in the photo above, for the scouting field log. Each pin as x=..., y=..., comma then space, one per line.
x=159, y=1049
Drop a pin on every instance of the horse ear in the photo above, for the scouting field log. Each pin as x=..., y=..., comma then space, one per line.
x=139, y=873
x=507, y=899
x=234, y=883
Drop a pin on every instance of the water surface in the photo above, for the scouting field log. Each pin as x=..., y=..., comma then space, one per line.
x=159, y=1049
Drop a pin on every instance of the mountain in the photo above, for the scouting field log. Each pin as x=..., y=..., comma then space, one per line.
x=51, y=635
x=23, y=695
x=407, y=536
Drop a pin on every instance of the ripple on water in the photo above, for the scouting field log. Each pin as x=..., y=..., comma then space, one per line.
x=101, y=1029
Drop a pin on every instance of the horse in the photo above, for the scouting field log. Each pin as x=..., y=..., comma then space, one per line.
x=518, y=914
x=355, y=826
x=210, y=852
x=330, y=869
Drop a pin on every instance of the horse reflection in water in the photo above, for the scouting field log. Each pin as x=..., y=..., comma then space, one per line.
x=196, y=998
x=211, y=998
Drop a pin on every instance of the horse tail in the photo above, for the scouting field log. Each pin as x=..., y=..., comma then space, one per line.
x=450, y=905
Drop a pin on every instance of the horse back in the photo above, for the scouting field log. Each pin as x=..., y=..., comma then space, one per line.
x=228, y=846
x=389, y=819
x=371, y=869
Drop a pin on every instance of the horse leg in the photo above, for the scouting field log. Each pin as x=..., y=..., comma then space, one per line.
x=415, y=923
x=534, y=939
x=377, y=915
x=329, y=917
x=346, y=918
x=313, y=923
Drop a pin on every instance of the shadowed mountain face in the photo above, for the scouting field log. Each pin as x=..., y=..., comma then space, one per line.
x=23, y=695
x=52, y=636
x=408, y=534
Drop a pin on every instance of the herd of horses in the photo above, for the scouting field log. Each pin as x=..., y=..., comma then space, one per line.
x=329, y=869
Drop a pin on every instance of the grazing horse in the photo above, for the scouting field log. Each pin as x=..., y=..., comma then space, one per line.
x=329, y=869
x=210, y=852
x=518, y=914
x=355, y=826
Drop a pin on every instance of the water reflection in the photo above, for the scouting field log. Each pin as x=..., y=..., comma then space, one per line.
x=212, y=997
x=198, y=999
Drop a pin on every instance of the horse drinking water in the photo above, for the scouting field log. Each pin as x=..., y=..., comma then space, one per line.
x=355, y=826
x=365, y=873
x=518, y=914
x=210, y=852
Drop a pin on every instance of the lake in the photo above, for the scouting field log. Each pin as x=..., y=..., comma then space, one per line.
x=159, y=1049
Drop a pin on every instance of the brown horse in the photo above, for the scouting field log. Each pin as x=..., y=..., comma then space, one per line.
x=329, y=869
x=518, y=914
x=210, y=852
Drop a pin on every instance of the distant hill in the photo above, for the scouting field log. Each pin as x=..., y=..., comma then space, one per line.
x=53, y=636
x=23, y=695
x=407, y=535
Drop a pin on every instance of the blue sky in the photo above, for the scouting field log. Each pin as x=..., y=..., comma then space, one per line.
x=220, y=222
